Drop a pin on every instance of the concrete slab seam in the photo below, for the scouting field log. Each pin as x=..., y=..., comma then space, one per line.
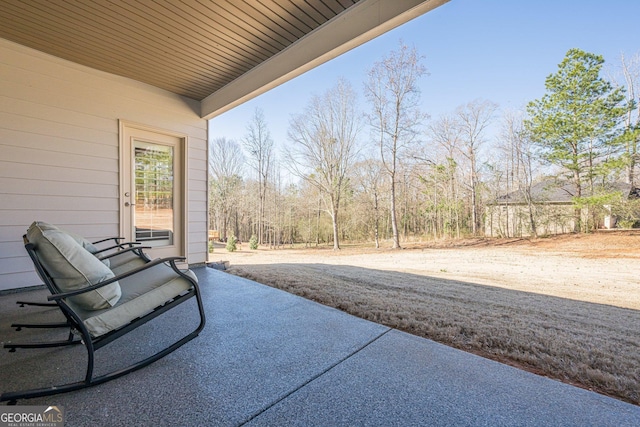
x=315, y=377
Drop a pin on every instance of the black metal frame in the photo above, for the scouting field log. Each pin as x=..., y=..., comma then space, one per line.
x=121, y=248
x=95, y=343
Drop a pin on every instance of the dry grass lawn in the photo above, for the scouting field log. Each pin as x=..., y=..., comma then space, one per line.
x=566, y=307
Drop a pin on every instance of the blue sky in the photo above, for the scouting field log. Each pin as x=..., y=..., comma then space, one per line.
x=499, y=50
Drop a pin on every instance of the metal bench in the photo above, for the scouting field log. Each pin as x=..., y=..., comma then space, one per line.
x=101, y=311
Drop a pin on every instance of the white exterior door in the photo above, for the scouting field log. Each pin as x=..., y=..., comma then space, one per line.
x=152, y=194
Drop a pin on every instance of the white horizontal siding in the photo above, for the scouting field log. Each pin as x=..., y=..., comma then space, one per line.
x=59, y=151
x=56, y=172
x=61, y=146
x=197, y=159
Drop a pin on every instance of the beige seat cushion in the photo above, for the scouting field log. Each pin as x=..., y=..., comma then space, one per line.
x=141, y=293
x=72, y=267
x=125, y=261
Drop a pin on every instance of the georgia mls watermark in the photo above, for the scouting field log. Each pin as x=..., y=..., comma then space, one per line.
x=31, y=416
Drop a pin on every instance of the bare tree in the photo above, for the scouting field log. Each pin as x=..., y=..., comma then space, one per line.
x=520, y=164
x=259, y=145
x=225, y=170
x=392, y=90
x=369, y=175
x=325, y=147
x=631, y=73
x=445, y=133
x=473, y=120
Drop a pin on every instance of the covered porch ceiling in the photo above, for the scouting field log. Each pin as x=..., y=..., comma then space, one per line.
x=219, y=52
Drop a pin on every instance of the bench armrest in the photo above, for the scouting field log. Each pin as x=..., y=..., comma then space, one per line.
x=134, y=249
x=115, y=239
x=118, y=246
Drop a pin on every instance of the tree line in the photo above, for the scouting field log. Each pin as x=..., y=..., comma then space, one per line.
x=392, y=173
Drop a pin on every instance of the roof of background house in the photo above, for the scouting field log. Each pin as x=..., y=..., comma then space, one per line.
x=553, y=191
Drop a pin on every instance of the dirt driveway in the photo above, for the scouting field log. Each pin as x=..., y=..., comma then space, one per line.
x=603, y=268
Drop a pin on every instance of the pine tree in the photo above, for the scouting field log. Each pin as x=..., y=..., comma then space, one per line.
x=576, y=124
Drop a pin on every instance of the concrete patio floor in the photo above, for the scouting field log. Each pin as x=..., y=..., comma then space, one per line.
x=268, y=358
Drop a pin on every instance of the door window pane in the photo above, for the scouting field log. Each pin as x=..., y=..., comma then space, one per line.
x=154, y=194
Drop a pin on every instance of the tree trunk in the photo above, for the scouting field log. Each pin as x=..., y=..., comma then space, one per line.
x=394, y=221
x=577, y=211
x=336, y=241
x=376, y=221
x=474, y=196
x=223, y=233
x=318, y=224
x=532, y=220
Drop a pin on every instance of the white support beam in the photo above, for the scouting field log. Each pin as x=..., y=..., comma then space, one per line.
x=357, y=25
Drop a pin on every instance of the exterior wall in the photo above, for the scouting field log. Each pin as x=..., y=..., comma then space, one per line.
x=513, y=220
x=59, y=152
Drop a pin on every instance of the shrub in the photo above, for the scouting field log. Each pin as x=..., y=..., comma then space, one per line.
x=628, y=223
x=253, y=242
x=232, y=243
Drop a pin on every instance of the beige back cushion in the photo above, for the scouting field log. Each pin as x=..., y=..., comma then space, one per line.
x=73, y=267
x=45, y=226
x=87, y=245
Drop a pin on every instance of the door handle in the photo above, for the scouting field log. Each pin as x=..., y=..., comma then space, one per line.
x=129, y=204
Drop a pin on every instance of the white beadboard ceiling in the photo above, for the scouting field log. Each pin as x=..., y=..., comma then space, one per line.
x=195, y=48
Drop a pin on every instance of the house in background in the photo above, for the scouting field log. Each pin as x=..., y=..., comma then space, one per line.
x=104, y=106
x=551, y=207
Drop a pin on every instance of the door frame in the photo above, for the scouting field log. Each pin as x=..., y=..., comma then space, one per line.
x=123, y=125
